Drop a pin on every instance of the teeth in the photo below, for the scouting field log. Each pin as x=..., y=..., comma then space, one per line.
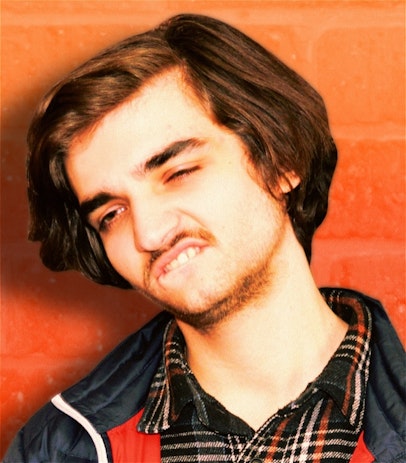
x=182, y=258
x=191, y=252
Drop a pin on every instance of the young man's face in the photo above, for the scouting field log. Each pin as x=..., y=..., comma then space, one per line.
x=180, y=216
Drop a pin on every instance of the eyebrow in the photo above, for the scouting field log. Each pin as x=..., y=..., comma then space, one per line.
x=153, y=163
x=174, y=149
x=90, y=205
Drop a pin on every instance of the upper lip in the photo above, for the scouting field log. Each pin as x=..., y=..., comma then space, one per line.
x=158, y=267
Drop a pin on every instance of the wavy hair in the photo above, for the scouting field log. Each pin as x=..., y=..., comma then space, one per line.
x=279, y=117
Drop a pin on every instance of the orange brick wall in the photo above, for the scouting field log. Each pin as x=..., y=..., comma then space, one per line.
x=55, y=327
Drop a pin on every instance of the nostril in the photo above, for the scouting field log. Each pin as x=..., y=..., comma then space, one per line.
x=155, y=255
x=154, y=231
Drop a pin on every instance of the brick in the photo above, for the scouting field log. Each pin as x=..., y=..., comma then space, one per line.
x=43, y=306
x=375, y=267
x=368, y=191
x=360, y=71
x=42, y=55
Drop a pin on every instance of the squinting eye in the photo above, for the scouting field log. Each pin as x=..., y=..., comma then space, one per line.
x=108, y=219
x=181, y=173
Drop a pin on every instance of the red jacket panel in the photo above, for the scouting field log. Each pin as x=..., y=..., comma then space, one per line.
x=362, y=454
x=128, y=444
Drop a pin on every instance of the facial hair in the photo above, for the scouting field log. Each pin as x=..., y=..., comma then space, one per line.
x=248, y=288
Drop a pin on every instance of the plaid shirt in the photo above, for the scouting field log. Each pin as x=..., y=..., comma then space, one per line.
x=322, y=425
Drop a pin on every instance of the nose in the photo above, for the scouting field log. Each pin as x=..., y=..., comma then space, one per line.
x=154, y=224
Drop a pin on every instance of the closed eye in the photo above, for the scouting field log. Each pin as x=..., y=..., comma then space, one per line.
x=181, y=173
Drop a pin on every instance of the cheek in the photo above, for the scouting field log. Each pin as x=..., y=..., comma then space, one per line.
x=123, y=257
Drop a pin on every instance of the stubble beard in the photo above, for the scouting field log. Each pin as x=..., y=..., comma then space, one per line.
x=249, y=288
x=246, y=290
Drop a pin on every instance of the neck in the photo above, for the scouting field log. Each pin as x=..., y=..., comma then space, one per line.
x=261, y=358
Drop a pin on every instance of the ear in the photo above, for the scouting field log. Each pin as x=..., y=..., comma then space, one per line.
x=288, y=182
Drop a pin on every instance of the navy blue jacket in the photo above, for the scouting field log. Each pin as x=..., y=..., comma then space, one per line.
x=73, y=427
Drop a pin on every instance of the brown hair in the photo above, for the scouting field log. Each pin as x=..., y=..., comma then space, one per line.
x=281, y=119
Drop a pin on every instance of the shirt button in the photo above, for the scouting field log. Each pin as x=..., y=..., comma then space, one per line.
x=256, y=460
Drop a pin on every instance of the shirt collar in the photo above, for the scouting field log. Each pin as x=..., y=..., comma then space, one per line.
x=175, y=387
x=163, y=406
x=344, y=378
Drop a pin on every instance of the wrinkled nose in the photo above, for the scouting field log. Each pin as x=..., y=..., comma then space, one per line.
x=154, y=225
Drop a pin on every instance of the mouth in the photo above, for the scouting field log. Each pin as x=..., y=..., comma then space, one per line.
x=178, y=256
x=182, y=258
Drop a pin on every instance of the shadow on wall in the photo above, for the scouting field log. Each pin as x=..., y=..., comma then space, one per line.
x=55, y=326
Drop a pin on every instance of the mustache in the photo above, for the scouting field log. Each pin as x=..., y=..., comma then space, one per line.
x=199, y=234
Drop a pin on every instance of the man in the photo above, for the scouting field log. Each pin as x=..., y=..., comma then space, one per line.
x=191, y=164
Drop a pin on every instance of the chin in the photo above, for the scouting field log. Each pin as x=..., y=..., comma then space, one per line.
x=207, y=317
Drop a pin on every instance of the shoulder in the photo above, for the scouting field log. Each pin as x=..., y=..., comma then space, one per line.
x=51, y=436
x=121, y=382
x=385, y=424
x=385, y=408
x=110, y=395
x=388, y=354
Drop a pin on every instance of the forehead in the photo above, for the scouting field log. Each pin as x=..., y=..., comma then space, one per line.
x=163, y=109
x=162, y=113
